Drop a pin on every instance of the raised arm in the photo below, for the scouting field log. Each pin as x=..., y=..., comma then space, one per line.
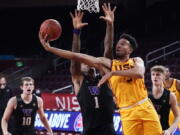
x=109, y=37
x=42, y=116
x=175, y=110
x=7, y=114
x=136, y=72
x=75, y=67
x=98, y=63
x=76, y=45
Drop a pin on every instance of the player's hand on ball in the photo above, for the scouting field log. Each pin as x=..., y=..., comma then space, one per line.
x=44, y=42
x=52, y=28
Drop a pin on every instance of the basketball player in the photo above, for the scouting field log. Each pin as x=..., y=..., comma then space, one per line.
x=173, y=85
x=126, y=78
x=97, y=106
x=24, y=107
x=163, y=100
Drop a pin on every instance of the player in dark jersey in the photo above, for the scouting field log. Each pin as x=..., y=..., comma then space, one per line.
x=163, y=100
x=97, y=106
x=24, y=107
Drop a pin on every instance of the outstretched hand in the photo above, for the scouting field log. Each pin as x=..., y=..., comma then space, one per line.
x=104, y=79
x=109, y=14
x=44, y=42
x=77, y=19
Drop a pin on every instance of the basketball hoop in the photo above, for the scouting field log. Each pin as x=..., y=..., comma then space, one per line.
x=89, y=5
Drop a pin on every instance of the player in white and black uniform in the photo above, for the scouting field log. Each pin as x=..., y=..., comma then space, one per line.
x=163, y=100
x=24, y=116
x=24, y=108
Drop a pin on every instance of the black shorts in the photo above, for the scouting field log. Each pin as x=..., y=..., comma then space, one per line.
x=105, y=130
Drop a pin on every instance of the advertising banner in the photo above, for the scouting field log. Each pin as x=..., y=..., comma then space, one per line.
x=66, y=116
x=60, y=102
x=70, y=121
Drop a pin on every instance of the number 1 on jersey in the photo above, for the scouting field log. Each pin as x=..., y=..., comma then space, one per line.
x=96, y=102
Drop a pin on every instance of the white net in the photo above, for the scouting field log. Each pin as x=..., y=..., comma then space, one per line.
x=90, y=5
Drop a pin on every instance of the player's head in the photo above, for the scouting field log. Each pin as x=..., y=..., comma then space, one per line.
x=2, y=82
x=168, y=73
x=158, y=74
x=87, y=70
x=27, y=85
x=125, y=45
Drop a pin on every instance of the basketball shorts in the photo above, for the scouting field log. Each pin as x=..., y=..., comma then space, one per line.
x=140, y=120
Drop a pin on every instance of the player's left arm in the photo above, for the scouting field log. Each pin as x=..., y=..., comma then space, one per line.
x=175, y=110
x=109, y=37
x=42, y=115
x=77, y=17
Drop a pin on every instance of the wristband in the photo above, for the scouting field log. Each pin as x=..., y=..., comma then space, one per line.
x=77, y=31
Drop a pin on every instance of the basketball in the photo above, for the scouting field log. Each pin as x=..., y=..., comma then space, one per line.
x=52, y=28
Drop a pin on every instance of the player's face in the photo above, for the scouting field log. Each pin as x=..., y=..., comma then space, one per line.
x=157, y=78
x=2, y=83
x=167, y=73
x=123, y=48
x=27, y=87
x=86, y=70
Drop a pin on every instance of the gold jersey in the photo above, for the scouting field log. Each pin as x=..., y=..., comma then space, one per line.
x=127, y=90
x=174, y=90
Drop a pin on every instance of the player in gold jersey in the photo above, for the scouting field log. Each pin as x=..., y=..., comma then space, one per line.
x=127, y=82
x=137, y=112
x=173, y=85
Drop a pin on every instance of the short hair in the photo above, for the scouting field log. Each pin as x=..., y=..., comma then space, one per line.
x=2, y=76
x=159, y=68
x=131, y=39
x=28, y=79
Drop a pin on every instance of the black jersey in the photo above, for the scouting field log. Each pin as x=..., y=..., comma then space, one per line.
x=162, y=107
x=24, y=116
x=97, y=108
